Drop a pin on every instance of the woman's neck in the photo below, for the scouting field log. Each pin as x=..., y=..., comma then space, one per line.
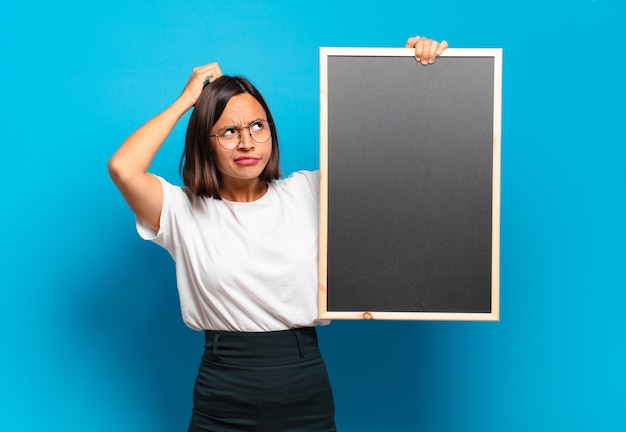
x=243, y=191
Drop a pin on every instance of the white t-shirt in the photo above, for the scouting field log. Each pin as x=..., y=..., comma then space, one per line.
x=249, y=266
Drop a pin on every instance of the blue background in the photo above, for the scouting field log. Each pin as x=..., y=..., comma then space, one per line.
x=91, y=334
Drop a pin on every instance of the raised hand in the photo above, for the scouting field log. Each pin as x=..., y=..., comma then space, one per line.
x=426, y=50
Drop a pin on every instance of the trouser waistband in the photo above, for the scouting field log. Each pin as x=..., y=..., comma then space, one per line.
x=262, y=348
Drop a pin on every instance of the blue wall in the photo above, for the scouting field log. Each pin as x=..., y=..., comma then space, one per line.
x=91, y=333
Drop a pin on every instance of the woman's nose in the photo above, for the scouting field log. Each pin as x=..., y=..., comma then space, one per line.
x=245, y=140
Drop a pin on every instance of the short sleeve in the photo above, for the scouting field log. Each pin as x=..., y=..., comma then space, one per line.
x=176, y=204
x=313, y=180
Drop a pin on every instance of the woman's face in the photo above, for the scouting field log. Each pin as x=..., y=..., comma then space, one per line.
x=248, y=159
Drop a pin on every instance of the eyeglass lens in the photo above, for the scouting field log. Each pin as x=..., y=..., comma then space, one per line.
x=258, y=130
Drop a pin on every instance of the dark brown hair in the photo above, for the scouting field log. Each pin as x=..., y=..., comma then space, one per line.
x=198, y=166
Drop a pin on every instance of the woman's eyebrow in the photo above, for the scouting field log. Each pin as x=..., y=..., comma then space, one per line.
x=247, y=124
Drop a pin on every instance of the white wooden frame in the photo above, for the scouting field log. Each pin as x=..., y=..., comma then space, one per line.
x=324, y=313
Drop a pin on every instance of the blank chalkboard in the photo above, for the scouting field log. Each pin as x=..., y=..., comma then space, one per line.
x=410, y=184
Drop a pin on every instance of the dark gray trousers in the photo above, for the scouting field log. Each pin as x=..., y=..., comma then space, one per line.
x=269, y=381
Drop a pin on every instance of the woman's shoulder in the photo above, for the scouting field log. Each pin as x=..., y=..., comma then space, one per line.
x=302, y=176
x=300, y=182
x=178, y=195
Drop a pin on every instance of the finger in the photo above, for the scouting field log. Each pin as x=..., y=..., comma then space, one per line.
x=432, y=53
x=419, y=49
x=426, y=49
x=443, y=45
x=208, y=72
x=436, y=50
x=216, y=72
x=410, y=43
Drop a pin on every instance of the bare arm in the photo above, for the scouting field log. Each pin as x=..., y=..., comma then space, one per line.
x=128, y=167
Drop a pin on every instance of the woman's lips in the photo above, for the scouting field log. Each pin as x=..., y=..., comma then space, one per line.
x=246, y=160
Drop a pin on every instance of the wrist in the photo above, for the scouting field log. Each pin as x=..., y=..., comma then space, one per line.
x=182, y=104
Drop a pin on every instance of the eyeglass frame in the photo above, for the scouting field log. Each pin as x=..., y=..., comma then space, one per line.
x=240, y=129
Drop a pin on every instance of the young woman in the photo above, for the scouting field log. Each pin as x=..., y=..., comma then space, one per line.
x=245, y=243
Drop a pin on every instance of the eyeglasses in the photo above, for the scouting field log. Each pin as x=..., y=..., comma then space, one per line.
x=229, y=137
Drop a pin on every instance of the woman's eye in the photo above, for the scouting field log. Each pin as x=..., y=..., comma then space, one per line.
x=228, y=132
x=256, y=126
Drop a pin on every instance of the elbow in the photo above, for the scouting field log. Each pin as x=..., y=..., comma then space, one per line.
x=114, y=168
x=119, y=171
